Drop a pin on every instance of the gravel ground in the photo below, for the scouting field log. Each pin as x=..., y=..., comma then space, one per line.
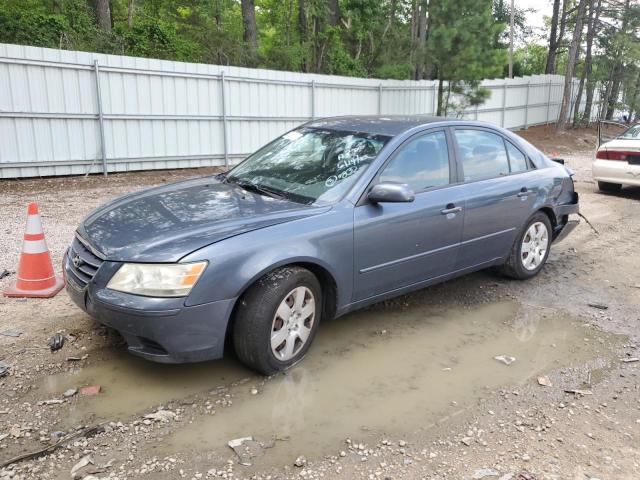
x=517, y=431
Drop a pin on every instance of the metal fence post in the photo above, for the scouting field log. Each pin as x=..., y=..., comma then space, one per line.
x=379, y=99
x=103, y=149
x=433, y=100
x=313, y=99
x=526, y=106
x=549, y=101
x=224, y=120
x=504, y=104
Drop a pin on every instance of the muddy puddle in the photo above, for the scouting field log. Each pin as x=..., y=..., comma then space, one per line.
x=392, y=372
x=373, y=372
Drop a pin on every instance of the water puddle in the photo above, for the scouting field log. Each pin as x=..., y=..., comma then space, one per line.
x=132, y=385
x=394, y=372
x=378, y=370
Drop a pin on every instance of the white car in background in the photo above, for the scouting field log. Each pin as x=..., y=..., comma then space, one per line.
x=617, y=160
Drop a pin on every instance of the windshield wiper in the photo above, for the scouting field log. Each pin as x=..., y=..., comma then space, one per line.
x=252, y=187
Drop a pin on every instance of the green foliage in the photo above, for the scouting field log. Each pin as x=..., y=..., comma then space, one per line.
x=529, y=60
x=373, y=38
x=462, y=46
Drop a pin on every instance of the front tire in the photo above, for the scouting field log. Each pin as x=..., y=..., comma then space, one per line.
x=277, y=319
x=609, y=187
x=531, y=248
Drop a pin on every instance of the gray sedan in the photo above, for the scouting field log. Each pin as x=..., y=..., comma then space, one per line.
x=332, y=216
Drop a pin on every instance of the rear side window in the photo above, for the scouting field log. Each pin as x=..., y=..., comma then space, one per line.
x=483, y=154
x=517, y=159
x=421, y=163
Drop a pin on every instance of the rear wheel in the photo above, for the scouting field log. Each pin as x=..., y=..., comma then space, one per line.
x=277, y=319
x=609, y=187
x=530, y=249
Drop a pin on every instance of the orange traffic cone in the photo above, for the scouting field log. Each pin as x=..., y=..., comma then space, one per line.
x=36, y=277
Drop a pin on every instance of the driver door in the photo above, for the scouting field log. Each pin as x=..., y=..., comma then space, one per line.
x=400, y=244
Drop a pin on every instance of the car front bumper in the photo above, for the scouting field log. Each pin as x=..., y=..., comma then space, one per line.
x=159, y=329
x=616, y=171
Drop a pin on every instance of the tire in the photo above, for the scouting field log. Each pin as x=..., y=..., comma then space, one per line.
x=516, y=265
x=609, y=187
x=260, y=314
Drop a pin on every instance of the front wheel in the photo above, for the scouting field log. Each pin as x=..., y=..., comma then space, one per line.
x=530, y=249
x=277, y=319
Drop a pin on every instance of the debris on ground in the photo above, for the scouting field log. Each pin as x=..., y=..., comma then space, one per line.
x=84, y=462
x=70, y=392
x=599, y=306
x=484, y=473
x=246, y=448
x=77, y=359
x=4, y=369
x=579, y=392
x=4, y=273
x=11, y=333
x=91, y=390
x=56, y=342
x=506, y=359
x=300, y=462
x=630, y=359
x=545, y=382
x=161, y=416
x=53, y=401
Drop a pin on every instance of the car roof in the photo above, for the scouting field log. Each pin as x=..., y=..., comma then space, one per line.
x=390, y=125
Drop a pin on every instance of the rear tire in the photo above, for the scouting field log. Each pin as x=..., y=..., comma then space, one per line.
x=530, y=249
x=609, y=187
x=277, y=319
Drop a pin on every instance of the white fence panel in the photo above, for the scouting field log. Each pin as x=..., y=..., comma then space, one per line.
x=65, y=112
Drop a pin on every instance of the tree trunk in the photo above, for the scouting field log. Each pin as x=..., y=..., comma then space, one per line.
x=103, y=14
x=421, y=39
x=615, y=90
x=440, y=94
x=571, y=65
x=551, y=56
x=588, y=62
x=250, y=34
x=130, y=11
x=590, y=24
x=334, y=12
x=302, y=29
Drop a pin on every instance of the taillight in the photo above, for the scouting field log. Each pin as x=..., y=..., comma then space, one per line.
x=614, y=155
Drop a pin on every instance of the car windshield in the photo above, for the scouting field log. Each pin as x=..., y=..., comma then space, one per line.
x=308, y=165
x=632, y=133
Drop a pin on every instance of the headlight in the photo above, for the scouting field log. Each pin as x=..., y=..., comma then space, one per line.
x=157, y=280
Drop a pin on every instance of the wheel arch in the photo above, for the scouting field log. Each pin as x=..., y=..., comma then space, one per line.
x=326, y=278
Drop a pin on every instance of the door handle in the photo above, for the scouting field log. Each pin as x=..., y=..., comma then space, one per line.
x=523, y=192
x=451, y=208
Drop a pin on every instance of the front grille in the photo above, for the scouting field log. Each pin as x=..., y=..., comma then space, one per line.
x=83, y=264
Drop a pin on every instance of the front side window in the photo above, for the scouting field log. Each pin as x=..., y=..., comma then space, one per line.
x=482, y=154
x=309, y=165
x=422, y=163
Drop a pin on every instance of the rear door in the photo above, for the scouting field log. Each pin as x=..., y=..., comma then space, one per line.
x=400, y=244
x=500, y=190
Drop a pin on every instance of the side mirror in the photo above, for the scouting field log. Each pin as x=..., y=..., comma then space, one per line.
x=391, y=192
x=558, y=160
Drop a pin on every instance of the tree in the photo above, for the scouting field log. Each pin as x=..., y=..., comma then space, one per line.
x=571, y=63
x=250, y=35
x=555, y=37
x=594, y=17
x=103, y=14
x=461, y=46
x=593, y=7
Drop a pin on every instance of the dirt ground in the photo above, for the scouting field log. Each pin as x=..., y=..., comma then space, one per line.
x=406, y=389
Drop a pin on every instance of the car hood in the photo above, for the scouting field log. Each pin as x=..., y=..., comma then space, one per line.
x=164, y=224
